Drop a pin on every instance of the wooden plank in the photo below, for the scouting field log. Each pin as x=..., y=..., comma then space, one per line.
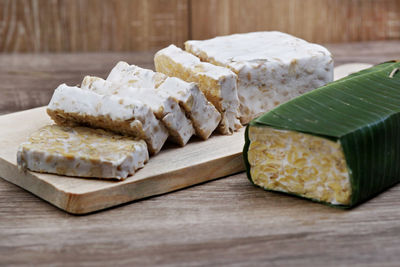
x=131, y=25
x=227, y=222
x=320, y=21
x=173, y=168
x=366, y=52
x=91, y=25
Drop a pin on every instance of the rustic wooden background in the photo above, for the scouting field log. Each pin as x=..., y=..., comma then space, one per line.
x=132, y=25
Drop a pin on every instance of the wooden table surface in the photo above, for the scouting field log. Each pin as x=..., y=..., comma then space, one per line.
x=223, y=222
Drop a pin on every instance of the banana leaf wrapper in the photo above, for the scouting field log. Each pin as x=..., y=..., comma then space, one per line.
x=338, y=144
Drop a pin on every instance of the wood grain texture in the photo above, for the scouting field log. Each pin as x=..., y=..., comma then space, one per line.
x=320, y=21
x=91, y=25
x=171, y=169
x=131, y=25
x=223, y=222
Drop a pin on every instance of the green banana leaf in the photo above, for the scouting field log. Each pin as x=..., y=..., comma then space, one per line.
x=362, y=111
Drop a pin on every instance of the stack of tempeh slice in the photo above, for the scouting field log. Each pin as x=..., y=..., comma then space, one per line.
x=196, y=98
x=145, y=111
x=217, y=83
x=164, y=107
x=202, y=113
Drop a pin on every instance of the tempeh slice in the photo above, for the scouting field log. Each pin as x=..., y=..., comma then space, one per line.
x=74, y=106
x=82, y=152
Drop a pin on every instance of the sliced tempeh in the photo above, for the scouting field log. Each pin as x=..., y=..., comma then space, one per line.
x=217, y=83
x=83, y=152
x=165, y=108
x=74, y=106
x=204, y=116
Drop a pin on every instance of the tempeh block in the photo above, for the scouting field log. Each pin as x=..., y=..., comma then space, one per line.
x=272, y=67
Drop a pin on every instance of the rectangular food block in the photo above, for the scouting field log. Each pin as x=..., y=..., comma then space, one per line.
x=338, y=144
x=71, y=106
x=272, y=67
x=204, y=116
x=217, y=83
x=165, y=108
x=82, y=152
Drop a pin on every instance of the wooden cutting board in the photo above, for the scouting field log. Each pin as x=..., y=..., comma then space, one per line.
x=172, y=169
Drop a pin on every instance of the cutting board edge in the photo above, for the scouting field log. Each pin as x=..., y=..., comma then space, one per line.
x=10, y=173
x=80, y=204
x=88, y=202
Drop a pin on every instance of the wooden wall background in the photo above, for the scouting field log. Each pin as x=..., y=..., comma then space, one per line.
x=129, y=25
x=91, y=25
